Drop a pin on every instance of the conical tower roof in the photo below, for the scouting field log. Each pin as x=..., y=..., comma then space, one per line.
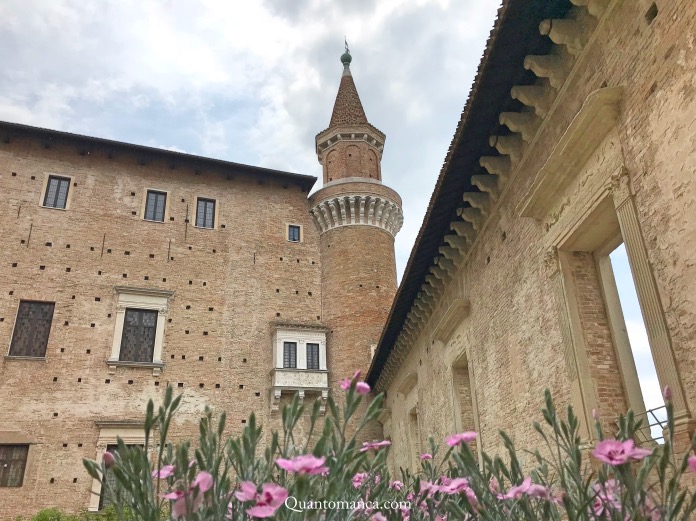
x=348, y=109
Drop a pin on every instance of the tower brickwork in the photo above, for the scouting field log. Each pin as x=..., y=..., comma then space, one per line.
x=357, y=217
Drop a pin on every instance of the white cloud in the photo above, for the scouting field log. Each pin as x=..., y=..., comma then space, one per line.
x=248, y=81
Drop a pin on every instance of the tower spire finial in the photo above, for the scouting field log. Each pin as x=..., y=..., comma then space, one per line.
x=346, y=58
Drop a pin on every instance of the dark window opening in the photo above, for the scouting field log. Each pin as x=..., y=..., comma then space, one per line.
x=13, y=461
x=289, y=355
x=155, y=205
x=294, y=233
x=312, y=356
x=108, y=488
x=32, y=328
x=56, y=192
x=138, y=341
x=205, y=213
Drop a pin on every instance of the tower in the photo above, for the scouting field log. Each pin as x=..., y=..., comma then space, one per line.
x=357, y=217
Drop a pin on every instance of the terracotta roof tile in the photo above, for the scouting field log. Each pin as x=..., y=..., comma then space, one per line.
x=348, y=109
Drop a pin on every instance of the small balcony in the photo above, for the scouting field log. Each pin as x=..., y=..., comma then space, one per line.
x=300, y=381
x=299, y=362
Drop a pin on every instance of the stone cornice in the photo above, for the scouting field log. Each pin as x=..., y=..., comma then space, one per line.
x=595, y=119
x=358, y=210
x=366, y=133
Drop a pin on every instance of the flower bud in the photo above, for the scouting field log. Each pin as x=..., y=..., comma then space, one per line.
x=108, y=459
x=595, y=414
x=667, y=393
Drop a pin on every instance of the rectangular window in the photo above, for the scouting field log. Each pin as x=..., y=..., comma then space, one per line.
x=312, y=356
x=32, y=328
x=205, y=213
x=56, y=192
x=290, y=355
x=293, y=233
x=138, y=340
x=106, y=497
x=155, y=204
x=13, y=460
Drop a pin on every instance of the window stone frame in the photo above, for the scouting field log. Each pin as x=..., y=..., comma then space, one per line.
x=44, y=188
x=140, y=298
x=287, y=233
x=131, y=432
x=167, y=201
x=216, y=213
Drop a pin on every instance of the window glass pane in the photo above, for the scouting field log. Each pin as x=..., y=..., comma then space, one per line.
x=312, y=356
x=155, y=205
x=138, y=338
x=293, y=233
x=205, y=213
x=289, y=355
x=107, y=492
x=32, y=328
x=13, y=460
x=57, y=192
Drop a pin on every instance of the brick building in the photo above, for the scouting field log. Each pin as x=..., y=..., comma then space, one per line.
x=578, y=136
x=126, y=269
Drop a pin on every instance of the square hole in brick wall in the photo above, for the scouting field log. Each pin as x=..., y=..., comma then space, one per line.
x=108, y=250
x=180, y=384
x=152, y=255
x=217, y=386
x=219, y=359
x=88, y=351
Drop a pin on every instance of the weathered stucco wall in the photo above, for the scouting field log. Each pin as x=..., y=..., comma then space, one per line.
x=511, y=338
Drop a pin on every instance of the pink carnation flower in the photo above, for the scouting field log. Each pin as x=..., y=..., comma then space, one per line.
x=457, y=439
x=692, y=463
x=246, y=492
x=526, y=488
x=426, y=456
x=362, y=388
x=270, y=499
x=164, y=472
x=345, y=383
x=203, y=480
x=359, y=479
x=374, y=445
x=305, y=464
x=615, y=452
x=377, y=516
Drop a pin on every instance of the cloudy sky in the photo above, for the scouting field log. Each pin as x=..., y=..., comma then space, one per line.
x=253, y=82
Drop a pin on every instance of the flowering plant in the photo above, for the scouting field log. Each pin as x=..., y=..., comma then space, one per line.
x=329, y=475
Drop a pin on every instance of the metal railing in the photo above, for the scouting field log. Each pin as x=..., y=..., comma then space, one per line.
x=654, y=424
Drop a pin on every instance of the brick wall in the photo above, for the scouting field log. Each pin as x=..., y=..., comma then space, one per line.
x=229, y=284
x=512, y=337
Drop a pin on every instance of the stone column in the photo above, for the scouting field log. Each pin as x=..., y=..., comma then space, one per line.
x=648, y=296
x=576, y=363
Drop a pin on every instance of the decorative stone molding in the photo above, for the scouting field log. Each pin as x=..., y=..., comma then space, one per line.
x=298, y=379
x=358, y=209
x=648, y=294
x=365, y=133
x=549, y=66
x=564, y=32
x=595, y=7
x=588, y=129
x=140, y=298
